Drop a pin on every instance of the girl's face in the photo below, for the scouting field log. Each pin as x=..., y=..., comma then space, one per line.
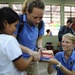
x=67, y=44
x=10, y=28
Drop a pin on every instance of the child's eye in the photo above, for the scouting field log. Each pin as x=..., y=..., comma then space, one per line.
x=62, y=41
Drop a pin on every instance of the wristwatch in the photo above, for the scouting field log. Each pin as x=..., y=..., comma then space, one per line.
x=58, y=66
x=39, y=48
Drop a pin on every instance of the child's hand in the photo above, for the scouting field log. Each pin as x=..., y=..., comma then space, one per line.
x=36, y=56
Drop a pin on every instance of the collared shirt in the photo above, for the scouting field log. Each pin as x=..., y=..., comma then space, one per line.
x=63, y=30
x=70, y=64
x=28, y=35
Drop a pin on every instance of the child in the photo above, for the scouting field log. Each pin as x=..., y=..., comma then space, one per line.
x=11, y=61
x=49, y=32
x=64, y=62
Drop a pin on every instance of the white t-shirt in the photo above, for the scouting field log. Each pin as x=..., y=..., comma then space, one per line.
x=9, y=51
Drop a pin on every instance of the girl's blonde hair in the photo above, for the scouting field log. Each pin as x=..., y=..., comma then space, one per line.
x=70, y=36
x=24, y=6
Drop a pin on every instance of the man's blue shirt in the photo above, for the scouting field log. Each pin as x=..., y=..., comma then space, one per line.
x=70, y=64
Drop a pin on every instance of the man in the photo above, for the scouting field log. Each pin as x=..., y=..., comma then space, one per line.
x=65, y=29
x=30, y=36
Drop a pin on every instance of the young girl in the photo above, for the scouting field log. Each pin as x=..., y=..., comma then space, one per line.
x=64, y=62
x=11, y=61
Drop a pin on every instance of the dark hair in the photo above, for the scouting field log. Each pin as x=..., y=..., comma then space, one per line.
x=69, y=21
x=35, y=4
x=48, y=30
x=6, y=13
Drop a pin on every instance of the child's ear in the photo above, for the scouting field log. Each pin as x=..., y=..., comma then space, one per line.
x=5, y=23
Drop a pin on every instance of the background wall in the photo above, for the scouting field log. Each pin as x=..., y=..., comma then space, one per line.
x=53, y=39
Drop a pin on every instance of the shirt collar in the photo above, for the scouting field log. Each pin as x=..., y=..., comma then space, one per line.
x=72, y=55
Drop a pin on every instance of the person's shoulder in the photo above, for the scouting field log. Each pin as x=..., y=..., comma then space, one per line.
x=10, y=37
x=58, y=55
x=74, y=53
x=6, y=38
x=62, y=26
x=22, y=17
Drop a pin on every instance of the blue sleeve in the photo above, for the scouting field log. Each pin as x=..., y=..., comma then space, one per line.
x=51, y=34
x=41, y=31
x=58, y=57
